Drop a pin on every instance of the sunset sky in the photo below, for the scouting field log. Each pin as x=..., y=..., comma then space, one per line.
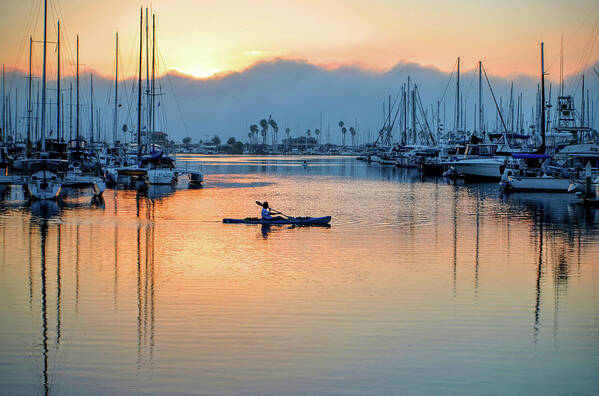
x=202, y=38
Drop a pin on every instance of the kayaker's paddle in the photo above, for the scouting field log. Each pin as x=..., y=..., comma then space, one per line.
x=273, y=210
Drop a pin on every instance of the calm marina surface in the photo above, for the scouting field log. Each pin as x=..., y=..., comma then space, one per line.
x=420, y=286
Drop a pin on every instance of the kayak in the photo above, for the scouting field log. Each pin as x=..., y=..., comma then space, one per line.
x=300, y=221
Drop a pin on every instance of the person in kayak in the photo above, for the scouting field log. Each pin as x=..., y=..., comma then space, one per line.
x=266, y=213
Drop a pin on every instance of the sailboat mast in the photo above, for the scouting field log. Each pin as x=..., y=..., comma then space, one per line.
x=70, y=111
x=153, y=72
x=77, y=94
x=58, y=84
x=98, y=125
x=408, y=107
x=62, y=112
x=29, y=94
x=582, y=105
x=16, y=115
x=588, y=107
x=480, y=96
x=141, y=16
x=542, y=98
x=404, y=138
x=116, y=90
x=148, y=107
x=518, y=113
x=561, y=68
x=43, y=123
x=91, y=94
x=389, y=115
x=3, y=136
x=438, y=121
x=37, y=113
x=414, y=114
x=3, y=108
x=6, y=135
x=457, y=103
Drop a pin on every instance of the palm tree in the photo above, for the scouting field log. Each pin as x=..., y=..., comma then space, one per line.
x=353, y=136
x=287, y=132
x=275, y=130
x=253, y=133
x=264, y=125
x=254, y=130
x=343, y=130
x=317, y=133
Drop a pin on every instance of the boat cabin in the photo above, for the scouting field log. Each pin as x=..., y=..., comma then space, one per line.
x=482, y=150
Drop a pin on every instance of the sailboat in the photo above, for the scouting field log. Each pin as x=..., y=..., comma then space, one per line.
x=155, y=168
x=554, y=173
x=136, y=171
x=161, y=167
x=81, y=162
x=43, y=181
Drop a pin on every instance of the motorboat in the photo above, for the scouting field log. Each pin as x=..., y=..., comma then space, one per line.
x=479, y=162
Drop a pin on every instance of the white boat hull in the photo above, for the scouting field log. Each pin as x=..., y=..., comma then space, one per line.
x=542, y=183
x=160, y=176
x=479, y=168
x=43, y=188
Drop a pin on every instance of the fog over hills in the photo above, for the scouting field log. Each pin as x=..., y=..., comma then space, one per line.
x=295, y=93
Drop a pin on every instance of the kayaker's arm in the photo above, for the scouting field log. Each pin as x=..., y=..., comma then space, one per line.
x=278, y=213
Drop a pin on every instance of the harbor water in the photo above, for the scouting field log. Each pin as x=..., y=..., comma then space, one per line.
x=419, y=286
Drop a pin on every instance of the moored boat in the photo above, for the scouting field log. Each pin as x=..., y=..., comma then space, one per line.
x=196, y=177
x=44, y=181
x=479, y=162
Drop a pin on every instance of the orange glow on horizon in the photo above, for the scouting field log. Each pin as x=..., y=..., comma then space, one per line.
x=234, y=35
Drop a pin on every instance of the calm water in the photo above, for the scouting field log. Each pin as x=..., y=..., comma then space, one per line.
x=419, y=286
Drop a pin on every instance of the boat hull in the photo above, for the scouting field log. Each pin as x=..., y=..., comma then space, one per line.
x=132, y=171
x=479, y=169
x=196, y=178
x=544, y=184
x=43, y=189
x=160, y=176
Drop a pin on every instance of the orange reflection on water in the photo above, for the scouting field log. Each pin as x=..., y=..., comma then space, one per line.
x=159, y=294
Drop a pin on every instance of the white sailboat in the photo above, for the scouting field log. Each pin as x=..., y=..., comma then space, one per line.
x=557, y=174
x=160, y=169
x=44, y=182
